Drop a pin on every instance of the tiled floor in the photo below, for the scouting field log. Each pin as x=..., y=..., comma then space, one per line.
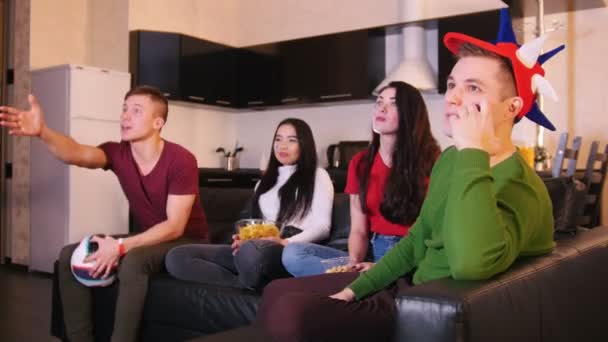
x=25, y=306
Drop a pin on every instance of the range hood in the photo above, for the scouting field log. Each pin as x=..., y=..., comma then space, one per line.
x=414, y=68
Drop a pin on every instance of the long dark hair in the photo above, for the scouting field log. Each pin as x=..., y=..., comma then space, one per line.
x=296, y=194
x=414, y=154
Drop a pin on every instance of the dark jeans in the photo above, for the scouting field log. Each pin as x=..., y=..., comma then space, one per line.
x=134, y=271
x=299, y=309
x=256, y=264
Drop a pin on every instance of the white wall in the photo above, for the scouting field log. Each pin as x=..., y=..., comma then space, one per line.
x=263, y=21
x=329, y=123
x=209, y=19
x=85, y=32
x=251, y=22
x=200, y=129
x=58, y=32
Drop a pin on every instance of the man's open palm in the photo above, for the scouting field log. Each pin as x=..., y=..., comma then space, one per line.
x=20, y=122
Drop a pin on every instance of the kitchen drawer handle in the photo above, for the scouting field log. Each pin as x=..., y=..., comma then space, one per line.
x=255, y=102
x=197, y=98
x=335, y=96
x=213, y=180
x=223, y=102
x=290, y=99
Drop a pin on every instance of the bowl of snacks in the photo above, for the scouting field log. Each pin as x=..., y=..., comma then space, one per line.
x=256, y=229
x=337, y=265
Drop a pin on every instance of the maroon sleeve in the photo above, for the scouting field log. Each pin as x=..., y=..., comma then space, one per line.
x=184, y=175
x=111, y=150
x=352, y=181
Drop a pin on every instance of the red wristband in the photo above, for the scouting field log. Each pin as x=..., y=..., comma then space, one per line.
x=121, y=247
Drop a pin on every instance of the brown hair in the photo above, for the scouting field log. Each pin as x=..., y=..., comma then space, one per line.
x=506, y=75
x=155, y=95
x=414, y=155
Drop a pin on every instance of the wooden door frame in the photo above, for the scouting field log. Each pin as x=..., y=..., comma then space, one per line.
x=5, y=27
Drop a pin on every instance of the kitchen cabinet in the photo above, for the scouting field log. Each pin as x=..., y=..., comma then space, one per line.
x=351, y=65
x=208, y=71
x=258, y=76
x=154, y=60
x=342, y=66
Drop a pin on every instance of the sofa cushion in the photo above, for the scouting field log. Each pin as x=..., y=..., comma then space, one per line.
x=555, y=297
x=223, y=207
x=340, y=222
x=198, y=307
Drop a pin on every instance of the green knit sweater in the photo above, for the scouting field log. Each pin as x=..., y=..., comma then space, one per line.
x=474, y=223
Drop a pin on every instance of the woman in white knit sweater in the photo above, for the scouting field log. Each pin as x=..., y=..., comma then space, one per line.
x=293, y=192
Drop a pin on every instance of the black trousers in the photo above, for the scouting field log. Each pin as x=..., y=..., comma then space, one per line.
x=256, y=264
x=134, y=271
x=300, y=309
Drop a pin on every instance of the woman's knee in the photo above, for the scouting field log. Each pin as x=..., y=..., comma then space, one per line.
x=175, y=260
x=292, y=254
x=258, y=262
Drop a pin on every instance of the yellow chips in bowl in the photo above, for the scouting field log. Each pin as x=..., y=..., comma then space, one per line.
x=257, y=230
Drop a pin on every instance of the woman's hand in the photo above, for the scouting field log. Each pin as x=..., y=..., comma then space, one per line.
x=346, y=295
x=236, y=243
x=276, y=239
x=363, y=266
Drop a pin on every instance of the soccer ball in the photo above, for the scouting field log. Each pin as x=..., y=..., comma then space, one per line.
x=81, y=269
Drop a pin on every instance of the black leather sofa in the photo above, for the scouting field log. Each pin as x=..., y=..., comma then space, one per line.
x=558, y=297
x=177, y=310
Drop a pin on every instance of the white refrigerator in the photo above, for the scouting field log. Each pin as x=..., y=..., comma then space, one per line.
x=68, y=202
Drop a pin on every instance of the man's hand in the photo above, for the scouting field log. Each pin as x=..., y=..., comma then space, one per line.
x=474, y=128
x=24, y=123
x=236, y=243
x=106, y=257
x=346, y=295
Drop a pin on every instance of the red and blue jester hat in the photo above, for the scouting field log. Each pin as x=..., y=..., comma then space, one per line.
x=526, y=61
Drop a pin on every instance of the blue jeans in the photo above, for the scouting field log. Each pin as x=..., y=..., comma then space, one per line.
x=382, y=244
x=303, y=259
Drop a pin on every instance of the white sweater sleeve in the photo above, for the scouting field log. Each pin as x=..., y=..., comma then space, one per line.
x=316, y=224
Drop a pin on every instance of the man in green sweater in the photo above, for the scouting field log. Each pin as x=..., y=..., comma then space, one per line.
x=485, y=206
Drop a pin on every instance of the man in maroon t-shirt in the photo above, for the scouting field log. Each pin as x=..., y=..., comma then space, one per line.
x=160, y=181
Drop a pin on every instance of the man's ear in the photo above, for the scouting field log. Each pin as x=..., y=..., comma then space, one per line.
x=515, y=106
x=158, y=122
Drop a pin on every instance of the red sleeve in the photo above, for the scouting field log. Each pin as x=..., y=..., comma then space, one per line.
x=111, y=150
x=352, y=181
x=184, y=175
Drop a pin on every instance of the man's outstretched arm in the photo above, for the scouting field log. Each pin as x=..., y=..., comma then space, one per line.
x=31, y=123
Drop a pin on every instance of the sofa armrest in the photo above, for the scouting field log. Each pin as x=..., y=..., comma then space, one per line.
x=560, y=296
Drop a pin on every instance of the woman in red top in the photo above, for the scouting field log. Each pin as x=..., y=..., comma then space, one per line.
x=387, y=183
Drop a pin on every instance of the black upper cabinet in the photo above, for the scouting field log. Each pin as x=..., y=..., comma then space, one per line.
x=325, y=68
x=351, y=65
x=154, y=60
x=223, y=71
x=332, y=67
x=299, y=70
x=208, y=72
x=258, y=76
x=194, y=73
